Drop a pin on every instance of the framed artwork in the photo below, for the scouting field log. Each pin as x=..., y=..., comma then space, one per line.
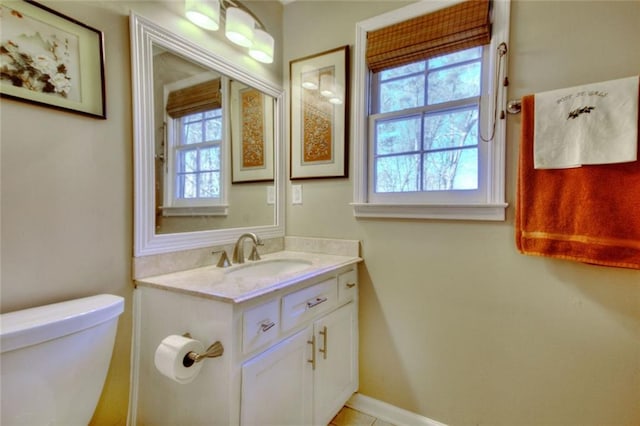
x=319, y=115
x=251, y=117
x=49, y=59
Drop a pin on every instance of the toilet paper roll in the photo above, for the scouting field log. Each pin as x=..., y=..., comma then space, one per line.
x=170, y=355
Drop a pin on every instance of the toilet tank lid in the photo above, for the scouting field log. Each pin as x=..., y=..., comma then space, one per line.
x=40, y=324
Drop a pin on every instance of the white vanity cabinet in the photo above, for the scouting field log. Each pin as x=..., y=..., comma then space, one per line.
x=290, y=356
x=277, y=385
x=307, y=378
x=335, y=376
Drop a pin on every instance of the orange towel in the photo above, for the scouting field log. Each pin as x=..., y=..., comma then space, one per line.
x=588, y=214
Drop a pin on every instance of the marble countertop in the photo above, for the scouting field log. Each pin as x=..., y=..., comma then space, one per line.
x=236, y=284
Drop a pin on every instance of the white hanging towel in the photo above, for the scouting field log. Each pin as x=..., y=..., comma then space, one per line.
x=592, y=124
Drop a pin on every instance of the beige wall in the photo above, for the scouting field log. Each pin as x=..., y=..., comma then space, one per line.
x=67, y=201
x=67, y=183
x=456, y=325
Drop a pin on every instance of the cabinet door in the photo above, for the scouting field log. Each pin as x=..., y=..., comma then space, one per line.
x=336, y=373
x=277, y=384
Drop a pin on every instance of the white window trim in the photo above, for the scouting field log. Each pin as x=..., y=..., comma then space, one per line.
x=447, y=197
x=495, y=206
x=198, y=206
x=217, y=210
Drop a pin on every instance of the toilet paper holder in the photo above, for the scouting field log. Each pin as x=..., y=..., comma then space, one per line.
x=215, y=350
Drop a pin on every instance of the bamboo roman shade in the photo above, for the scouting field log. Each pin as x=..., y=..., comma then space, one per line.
x=197, y=98
x=458, y=27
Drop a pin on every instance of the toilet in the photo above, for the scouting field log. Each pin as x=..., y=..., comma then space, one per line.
x=54, y=360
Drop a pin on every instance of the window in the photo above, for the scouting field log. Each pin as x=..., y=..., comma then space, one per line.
x=197, y=156
x=194, y=180
x=424, y=125
x=423, y=118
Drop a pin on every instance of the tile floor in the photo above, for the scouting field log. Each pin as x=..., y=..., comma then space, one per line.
x=350, y=417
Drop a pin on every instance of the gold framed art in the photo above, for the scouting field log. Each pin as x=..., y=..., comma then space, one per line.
x=251, y=134
x=319, y=115
x=49, y=59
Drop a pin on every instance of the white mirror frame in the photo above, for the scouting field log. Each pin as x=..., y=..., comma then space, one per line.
x=144, y=34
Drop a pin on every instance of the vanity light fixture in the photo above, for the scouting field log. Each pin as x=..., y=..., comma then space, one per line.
x=310, y=85
x=336, y=100
x=310, y=80
x=327, y=88
x=241, y=26
x=325, y=83
x=336, y=97
x=203, y=13
x=262, y=48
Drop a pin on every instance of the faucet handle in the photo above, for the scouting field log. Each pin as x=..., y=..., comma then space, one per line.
x=254, y=253
x=223, y=261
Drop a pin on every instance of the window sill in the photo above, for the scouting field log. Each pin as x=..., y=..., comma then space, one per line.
x=195, y=211
x=492, y=212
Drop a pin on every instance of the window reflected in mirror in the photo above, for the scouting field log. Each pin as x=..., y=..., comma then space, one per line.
x=213, y=149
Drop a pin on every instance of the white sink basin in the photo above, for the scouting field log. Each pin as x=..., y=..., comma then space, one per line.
x=271, y=267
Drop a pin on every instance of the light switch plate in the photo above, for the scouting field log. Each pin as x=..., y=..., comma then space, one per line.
x=296, y=194
x=271, y=195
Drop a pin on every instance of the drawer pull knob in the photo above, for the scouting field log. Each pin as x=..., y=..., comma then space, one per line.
x=266, y=326
x=323, y=351
x=351, y=285
x=316, y=302
x=312, y=342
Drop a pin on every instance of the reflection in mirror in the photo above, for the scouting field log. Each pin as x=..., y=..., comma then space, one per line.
x=208, y=122
x=208, y=165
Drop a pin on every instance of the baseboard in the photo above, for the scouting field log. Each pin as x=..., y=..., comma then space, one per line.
x=388, y=413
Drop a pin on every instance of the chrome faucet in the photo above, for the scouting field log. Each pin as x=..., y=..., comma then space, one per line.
x=238, y=250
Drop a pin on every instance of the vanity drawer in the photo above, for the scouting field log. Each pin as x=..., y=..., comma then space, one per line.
x=347, y=285
x=309, y=302
x=260, y=326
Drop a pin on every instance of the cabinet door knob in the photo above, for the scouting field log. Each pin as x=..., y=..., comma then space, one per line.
x=351, y=285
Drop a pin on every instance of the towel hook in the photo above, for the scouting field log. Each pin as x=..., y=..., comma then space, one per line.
x=514, y=106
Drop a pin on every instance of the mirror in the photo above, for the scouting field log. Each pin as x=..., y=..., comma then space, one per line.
x=207, y=138
x=213, y=149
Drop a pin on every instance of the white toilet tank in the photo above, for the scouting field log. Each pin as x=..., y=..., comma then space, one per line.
x=55, y=359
